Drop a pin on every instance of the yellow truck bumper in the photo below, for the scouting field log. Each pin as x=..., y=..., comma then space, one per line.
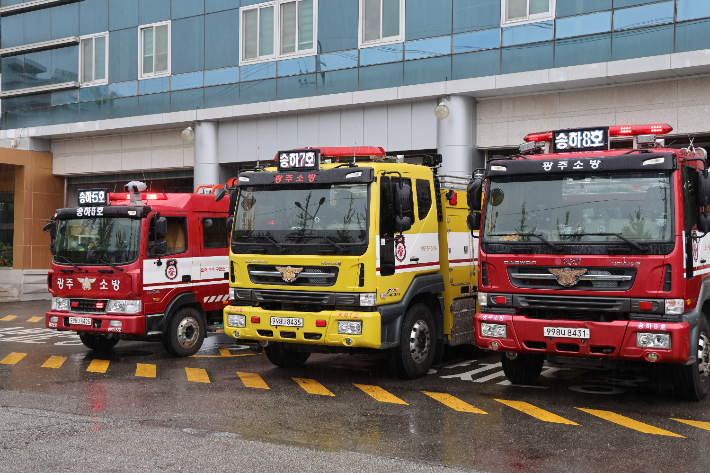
x=310, y=333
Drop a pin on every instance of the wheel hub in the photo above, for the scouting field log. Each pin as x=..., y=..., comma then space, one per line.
x=187, y=332
x=419, y=341
x=703, y=356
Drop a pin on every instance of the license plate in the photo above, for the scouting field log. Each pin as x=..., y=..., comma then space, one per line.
x=566, y=332
x=286, y=322
x=80, y=321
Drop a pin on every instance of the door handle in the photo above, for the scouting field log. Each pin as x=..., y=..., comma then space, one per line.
x=414, y=259
x=186, y=278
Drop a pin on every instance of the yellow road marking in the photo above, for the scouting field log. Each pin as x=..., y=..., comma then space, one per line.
x=54, y=362
x=380, y=394
x=198, y=375
x=224, y=351
x=98, y=366
x=536, y=412
x=630, y=423
x=311, y=386
x=695, y=423
x=252, y=380
x=35, y=319
x=145, y=370
x=454, y=403
x=8, y=318
x=13, y=358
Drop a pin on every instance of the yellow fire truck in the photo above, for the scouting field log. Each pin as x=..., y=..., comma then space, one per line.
x=344, y=250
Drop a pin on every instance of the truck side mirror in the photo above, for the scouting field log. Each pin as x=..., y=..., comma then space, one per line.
x=51, y=248
x=403, y=201
x=220, y=194
x=230, y=224
x=702, y=196
x=474, y=195
x=160, y=247
x=473, y=221
x=704, y=222
x=49, y=226
x=161, y=228
x=53, y=233
x=402, y=223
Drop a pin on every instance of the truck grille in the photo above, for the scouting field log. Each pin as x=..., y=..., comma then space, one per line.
x=595, y=279
x=87, y=306
x=309, y=276
x=571, y=303
x=302, y=297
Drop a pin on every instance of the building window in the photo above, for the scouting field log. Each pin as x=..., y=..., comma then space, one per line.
x=93, y=60
x=279, y=29
x=381, y=22
x=154, y=44
x=522, y=11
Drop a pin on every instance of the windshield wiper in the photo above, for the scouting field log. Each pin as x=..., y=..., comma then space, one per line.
x=336, y=245
x=536, y=235
x=109, y=264
x=68, y=261
x=617, y=235
x=270, y=240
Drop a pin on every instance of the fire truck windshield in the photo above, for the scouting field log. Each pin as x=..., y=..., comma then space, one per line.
x=296, y=219
x=98, y=241
x=618, y=207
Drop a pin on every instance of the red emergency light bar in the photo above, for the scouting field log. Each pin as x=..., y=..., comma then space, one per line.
x=623, y=130
x=144, y=196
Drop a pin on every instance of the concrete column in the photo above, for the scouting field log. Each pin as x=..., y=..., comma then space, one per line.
x=456, y=138
x=206, y=156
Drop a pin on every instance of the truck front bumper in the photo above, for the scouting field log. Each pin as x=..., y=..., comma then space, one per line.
x=258, y=327
x=100, y=323
x=615, y=339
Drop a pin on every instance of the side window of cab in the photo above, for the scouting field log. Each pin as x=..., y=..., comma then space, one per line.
x=176, y=238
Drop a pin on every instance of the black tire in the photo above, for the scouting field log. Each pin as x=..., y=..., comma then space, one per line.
x=280, y=355
x=97, y=343
x=691, y=382
x=186, y=332
x=414, y=356
x=524, y=369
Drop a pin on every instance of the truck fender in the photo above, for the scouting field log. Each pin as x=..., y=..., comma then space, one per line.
x=155, y=324
x=391, y=315
x=692, y=317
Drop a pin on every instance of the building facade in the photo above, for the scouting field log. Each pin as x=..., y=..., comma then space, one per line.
x=109, y=85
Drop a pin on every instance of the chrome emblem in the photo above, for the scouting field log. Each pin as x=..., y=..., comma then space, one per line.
x=288, y=273
x=86, y=283
x=567, y=277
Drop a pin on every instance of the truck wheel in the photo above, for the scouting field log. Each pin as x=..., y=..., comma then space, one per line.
x=523, y=369
x=97, y=342
x=283, y=357
x=691, y=382
x=186, y=332
x=417, y=344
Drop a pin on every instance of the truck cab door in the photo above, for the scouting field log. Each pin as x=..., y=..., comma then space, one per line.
x=166, y=275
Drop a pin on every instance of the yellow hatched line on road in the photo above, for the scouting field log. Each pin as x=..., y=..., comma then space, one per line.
x=252, y=380
x=454, y=403
x=536, y=412
x=98, y=366
x=145, y=370
x=197, y=375
x=8, y=318
x=311, y=386
x=35, y=319
x=13, y=358
x=54, y=362
x=629, y=423
x=380, y=394
x=224, y=351
x=695, y=423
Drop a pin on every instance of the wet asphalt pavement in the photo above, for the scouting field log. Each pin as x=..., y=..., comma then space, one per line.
x=63, y=407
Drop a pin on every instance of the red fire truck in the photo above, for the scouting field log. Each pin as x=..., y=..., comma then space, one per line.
x=591, y=257
x=139, y=266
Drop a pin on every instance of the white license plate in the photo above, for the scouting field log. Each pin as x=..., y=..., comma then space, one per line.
x=286, y=322
x=566, y=332
x=79, y=321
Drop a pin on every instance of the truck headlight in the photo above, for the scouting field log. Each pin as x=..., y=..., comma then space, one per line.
x=60, y=303
x=494, y=330
x=482, y=299
x=653, y=340
x=118, y=306
x=674, y=306
x=368, y=299
x=236, y=320
x=349, y=328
